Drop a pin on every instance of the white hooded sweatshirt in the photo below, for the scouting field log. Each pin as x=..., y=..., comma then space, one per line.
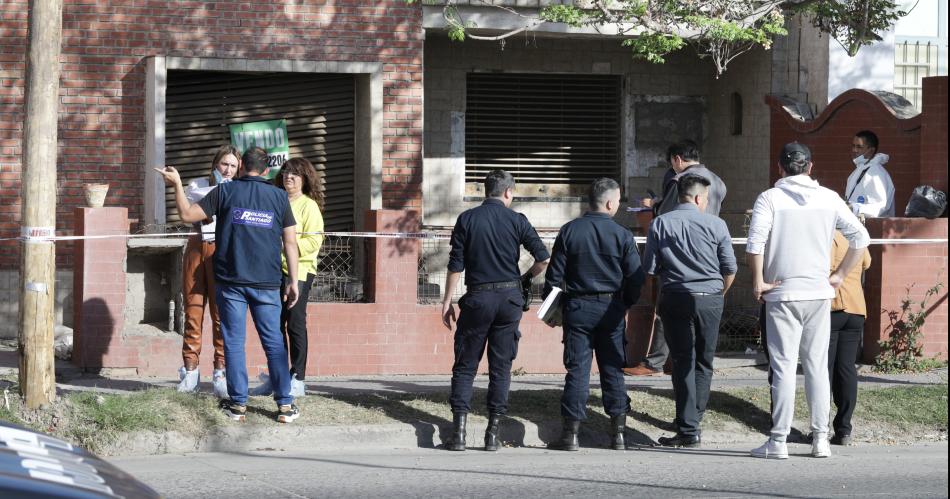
x=794, y=224
x=874, y=195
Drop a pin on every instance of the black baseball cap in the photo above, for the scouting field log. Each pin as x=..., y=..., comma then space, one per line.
x=793, y=151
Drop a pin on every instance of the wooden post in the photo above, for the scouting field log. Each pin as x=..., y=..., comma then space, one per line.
x=38, y=198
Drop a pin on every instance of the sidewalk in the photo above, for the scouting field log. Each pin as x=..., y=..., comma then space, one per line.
x=416, y=403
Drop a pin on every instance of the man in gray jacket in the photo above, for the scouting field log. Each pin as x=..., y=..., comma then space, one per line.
x=683, y=158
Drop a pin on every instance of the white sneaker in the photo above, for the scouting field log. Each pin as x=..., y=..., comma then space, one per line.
x=188, y=380
x=265, y=388
x=297, y=387
x=219, y=382
x=771, y=450
x=820, y=447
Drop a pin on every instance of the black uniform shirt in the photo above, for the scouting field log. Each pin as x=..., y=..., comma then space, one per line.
x=486, y=243
x=594, y=254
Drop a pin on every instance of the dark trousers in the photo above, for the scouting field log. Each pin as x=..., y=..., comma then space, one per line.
x=293, y=328
x=846, y=332
x=486, y=317
x=594, y=325
x=659, y=350
x=692, y=330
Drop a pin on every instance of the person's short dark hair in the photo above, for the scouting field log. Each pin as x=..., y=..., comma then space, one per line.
x=254, y=160
x=690, y=185
x=597, y=195
x=794, y=158
x=497, y=182
x=687, y=150
x=869, y=138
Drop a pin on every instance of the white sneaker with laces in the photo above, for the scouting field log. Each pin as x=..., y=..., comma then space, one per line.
x=820, y=447
x=188, y=380
x=219, y=382
x=771, y=450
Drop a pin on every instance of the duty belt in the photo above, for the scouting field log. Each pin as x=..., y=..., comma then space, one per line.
x=495, y=285
x=594, y=295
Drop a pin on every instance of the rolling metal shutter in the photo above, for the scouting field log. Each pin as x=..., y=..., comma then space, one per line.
x=543, y=128
x=319, y=110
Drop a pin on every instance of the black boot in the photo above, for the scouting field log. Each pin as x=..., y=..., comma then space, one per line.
x=568, y=439
x=491, y=433
x=457, y=441
x=618, y=424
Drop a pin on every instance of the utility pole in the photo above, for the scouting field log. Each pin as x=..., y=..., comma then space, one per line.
x=38, y=199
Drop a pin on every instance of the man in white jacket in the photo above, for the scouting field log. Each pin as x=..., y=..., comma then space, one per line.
x=790, y=238
x=870, y=190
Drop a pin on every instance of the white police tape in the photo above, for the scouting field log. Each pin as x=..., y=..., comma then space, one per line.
x=46, y=236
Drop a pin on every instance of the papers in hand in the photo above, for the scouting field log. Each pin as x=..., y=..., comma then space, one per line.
x=550, y=310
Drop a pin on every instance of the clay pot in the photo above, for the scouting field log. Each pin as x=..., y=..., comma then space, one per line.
x=96, y=194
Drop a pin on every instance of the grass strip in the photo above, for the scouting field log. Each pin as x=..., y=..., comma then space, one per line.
x=95, y=420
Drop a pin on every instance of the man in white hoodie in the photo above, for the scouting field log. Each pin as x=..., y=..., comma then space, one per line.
x=870, y=190
x=790, y=238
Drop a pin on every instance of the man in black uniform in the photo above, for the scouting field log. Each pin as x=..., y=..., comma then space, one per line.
x=485, y=244
x=595, y=262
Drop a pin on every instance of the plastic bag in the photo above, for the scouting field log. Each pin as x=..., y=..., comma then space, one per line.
x=926, y=202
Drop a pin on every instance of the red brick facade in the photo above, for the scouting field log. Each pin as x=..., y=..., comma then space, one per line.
x=102, y=106
x=918, y=149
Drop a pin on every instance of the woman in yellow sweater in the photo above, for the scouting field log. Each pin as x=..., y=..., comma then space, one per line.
x=299, y=178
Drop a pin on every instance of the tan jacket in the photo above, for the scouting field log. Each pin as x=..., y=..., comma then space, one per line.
x=849, y=297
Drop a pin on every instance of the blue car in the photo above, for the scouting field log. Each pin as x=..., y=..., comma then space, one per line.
x=36, y=465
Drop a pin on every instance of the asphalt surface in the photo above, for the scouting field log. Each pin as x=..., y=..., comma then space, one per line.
x=712, y=471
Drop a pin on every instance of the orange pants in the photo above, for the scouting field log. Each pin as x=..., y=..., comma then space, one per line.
x=197, y=285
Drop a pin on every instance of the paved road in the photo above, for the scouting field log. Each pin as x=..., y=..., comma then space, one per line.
x=917, y=471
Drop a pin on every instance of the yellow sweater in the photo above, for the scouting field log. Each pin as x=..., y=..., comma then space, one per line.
x=309, y=219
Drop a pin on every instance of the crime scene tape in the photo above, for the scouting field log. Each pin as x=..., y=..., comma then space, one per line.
x=387, y=235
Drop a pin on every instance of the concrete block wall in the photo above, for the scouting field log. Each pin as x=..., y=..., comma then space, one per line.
x=447, y=64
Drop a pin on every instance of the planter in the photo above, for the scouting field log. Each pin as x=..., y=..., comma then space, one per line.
x=96, y=194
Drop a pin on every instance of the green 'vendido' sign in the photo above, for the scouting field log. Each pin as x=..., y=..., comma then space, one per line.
x=269, y=135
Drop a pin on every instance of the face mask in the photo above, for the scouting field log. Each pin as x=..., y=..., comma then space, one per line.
x=860, y=160
x=218, y=179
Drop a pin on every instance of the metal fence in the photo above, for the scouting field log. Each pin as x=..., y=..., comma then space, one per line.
x=340, y=270
x=434, y=257
x=738, y=330
x=913, y=61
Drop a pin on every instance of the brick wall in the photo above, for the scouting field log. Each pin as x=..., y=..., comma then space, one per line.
x=102, y=107
x=933, y=134
x=901, y=271
x=829, y=138
x=917, y=144
x=392, y=335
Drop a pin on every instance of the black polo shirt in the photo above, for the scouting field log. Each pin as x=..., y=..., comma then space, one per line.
x=593, y=254
x=251, y=217
x=486, y=243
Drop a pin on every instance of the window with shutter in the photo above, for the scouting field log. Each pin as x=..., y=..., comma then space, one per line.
x=545, y=129
x=319, y=109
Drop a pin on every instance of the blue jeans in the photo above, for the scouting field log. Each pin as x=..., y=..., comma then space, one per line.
x=265, y=305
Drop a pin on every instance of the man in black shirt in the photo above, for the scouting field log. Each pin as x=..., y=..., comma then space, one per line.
x=595, y=262
x=486, y=244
